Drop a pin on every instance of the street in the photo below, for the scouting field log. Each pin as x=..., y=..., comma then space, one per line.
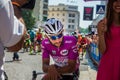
x=22, y=70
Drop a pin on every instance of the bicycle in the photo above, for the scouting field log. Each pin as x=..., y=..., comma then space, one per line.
x=64, y=77
x=34, y=74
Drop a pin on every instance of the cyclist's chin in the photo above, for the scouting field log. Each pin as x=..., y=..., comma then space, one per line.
x=57, y=44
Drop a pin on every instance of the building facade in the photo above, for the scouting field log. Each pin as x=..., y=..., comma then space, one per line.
x=93, y=26
x=40, y=11
x=67, y=14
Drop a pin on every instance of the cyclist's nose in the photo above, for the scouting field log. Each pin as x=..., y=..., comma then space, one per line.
x=57, y=40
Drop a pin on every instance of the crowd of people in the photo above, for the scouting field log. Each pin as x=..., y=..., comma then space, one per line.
x=33, y=41
x=65, y=50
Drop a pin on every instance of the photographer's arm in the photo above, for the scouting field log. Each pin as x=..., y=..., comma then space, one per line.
x=18, y=45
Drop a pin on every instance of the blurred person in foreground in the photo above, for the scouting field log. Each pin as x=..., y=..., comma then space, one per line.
x=12, y=28
x=109, y=43
x=62, y=49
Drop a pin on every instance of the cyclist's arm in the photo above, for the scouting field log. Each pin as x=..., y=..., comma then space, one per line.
x=66, y=69
x=45, y=63
x=70, y=68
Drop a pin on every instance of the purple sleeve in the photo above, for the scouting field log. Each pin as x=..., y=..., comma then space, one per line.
x=73, y=53
x=45, y=53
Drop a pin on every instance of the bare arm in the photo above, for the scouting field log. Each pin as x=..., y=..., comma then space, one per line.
x=66, y=69
x=50, y=70
x=70, y=68
x=53, y=71
x=101, y=44
x=102, y=28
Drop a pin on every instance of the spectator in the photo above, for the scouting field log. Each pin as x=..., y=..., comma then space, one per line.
x=12, y=29
x=109, y=43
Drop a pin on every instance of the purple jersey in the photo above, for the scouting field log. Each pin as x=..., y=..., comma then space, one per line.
x=67, y=50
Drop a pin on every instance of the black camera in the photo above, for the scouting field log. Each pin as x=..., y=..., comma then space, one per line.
x=30, y=5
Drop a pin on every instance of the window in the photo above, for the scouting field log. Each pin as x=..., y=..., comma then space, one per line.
x=45, y=12
x=69, y=26
x=63, y=14
x=45, y=6
x=57, y=14
x=71, y=20
x=71, y=15
x=58, y=9
x=46, y=1
x=44, y=18
x=73, y=7
x=52, y=14
x=72, y=26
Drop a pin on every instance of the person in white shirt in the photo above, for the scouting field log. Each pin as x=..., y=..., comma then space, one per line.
x=12, y=28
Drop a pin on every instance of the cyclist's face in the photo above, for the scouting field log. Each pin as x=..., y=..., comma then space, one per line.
x=56, y=39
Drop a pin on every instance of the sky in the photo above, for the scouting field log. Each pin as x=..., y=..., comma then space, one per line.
x=81, y=4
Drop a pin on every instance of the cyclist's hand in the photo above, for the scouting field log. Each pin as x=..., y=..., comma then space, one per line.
x=52, y=74
x=102, y=28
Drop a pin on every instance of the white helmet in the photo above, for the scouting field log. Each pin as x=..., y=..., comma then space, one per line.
x=53, y=26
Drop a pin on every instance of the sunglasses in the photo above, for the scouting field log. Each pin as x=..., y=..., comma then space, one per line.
x=56, y=37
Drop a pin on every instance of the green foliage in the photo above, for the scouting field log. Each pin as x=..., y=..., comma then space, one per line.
x=84, y=30
x=28, y=18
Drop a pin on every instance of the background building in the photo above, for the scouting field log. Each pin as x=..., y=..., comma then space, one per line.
x=67, y=14
x=40, y=11
x=93, y=26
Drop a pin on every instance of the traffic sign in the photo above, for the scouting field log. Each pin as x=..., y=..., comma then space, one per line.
x=100, y=9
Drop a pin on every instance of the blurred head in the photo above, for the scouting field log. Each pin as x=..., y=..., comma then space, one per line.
x=54, y=31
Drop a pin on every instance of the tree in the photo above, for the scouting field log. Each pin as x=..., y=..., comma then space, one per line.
x=83, y=30
x=28, y=18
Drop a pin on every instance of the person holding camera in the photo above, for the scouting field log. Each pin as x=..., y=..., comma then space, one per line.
x=12, y=28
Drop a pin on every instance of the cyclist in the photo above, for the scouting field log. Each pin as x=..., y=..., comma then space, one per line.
x=38, y=39
x=83, y=45
x=62, y=49
x=32, y=39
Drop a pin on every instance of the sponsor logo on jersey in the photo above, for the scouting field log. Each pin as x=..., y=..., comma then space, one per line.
x=53, y=52
x=42, y=46
x=74, y=46
x=68, y=41
x=64, y=52
x=75, y=50
x=46, y=42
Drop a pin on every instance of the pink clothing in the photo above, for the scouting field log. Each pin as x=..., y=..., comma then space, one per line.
x=109, y=67
x=67, y=51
